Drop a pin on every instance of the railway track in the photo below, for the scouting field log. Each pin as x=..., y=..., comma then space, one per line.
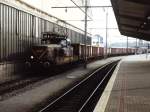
x=83, y=96
x=13, y=87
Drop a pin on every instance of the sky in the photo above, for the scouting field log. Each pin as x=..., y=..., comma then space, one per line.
x=98, y=25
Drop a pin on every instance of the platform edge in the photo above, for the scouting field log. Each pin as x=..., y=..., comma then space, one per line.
x=102, y=103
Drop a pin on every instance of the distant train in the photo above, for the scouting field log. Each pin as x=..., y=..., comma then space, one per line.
x=56, y=49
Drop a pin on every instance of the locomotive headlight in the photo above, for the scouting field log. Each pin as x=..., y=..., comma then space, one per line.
x=31, y=57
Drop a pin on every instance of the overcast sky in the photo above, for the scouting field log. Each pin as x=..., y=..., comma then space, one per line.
x=99, y=22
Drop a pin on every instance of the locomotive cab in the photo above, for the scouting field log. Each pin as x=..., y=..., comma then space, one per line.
x=55, y=50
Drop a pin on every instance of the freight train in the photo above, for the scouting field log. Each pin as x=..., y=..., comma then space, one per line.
x=57, y=49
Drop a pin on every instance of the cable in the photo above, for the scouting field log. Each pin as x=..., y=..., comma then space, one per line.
x=80, y=8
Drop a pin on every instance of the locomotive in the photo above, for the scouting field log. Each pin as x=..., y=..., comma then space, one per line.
x=55, y=49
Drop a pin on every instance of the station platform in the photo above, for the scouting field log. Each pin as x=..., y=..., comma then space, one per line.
x=128, y=89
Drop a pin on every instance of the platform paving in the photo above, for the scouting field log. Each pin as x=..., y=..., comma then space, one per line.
x=24, y=102
x=131, y=89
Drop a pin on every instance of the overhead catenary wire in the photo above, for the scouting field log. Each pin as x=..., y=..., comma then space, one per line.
x=103, y=28
x=107, y=6
x=80, y=8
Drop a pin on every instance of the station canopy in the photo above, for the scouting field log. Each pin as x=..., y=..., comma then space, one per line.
x=133, y=17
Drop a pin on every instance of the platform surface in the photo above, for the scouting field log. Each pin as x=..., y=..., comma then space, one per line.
x=131, y=89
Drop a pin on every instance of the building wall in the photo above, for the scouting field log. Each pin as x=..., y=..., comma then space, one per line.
x=21, y=28
x=72, y=15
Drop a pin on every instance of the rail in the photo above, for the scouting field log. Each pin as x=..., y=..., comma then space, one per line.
x=79, y=98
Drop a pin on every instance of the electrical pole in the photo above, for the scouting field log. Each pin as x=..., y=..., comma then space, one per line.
x=147, y=50
x=85, y=33
x=127, y=45
x=136, y=47
x=106, y=34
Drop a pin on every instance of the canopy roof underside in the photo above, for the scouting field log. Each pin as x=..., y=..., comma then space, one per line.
x=133, y=17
